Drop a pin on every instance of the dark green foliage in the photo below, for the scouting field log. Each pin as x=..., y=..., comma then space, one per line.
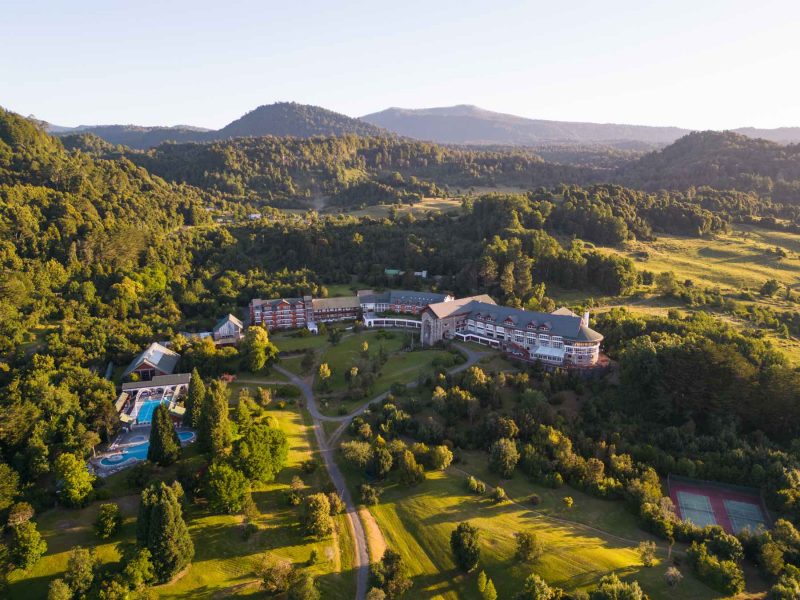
x=535, y=588
x=227, y=488
x=261, y=453
x=723, y=575
x=80, y=572
x=161, y=529
x=26, y=546
x=165, y=445
x=464, y=543
x=303, y=588
x=410, y=472
x=75, y=479
x=529, y=546
x=194, y=400
x=214, y=434
x=317, y=515
x=9, y=486
x=612, y=588
x=503, y=457
x=390, y=575
x=108, y=521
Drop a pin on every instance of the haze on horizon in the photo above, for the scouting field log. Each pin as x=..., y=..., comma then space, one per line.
x=709, y=65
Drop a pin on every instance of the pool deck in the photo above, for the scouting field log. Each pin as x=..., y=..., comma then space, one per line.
x=128, y=439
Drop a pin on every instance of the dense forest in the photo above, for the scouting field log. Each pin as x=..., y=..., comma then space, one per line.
x=103, y=250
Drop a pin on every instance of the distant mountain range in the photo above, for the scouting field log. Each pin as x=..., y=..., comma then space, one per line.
x=463, y=125
x=279, y=119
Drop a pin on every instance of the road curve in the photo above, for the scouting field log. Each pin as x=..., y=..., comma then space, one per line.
x=351, y=510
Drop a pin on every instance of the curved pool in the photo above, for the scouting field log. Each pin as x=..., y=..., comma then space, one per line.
x=138, y=452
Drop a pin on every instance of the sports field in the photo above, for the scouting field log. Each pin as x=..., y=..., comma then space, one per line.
x=706, y=503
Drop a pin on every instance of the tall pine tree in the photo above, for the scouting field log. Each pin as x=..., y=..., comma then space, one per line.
x=161, y=529
x=194, y=400
x=214, y=433
x=165, y=445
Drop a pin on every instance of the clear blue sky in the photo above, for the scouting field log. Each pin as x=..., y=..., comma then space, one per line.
x=699, y=63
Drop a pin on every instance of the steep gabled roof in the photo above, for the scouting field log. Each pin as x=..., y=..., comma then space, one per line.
x=445, y=309
x=157, y=356
x=228, y=319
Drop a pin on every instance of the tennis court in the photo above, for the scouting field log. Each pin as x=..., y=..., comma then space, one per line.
x=704, y=503
x=696, y=508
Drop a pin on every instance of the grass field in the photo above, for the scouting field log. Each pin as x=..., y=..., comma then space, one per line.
x=401, y=367
x=224, y=561
x=731, y=262
x=417, y=522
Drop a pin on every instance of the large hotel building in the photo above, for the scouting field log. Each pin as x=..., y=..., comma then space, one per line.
x=560, y=338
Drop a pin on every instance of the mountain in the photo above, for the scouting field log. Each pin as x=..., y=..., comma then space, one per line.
x=722, y=160
x=465, y=124
x=780, y=135
x=279, y=119
x=297, y=120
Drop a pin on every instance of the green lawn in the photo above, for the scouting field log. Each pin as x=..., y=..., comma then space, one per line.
x=401, y=367
x=286, y=342
x=417, y=522
x=731, y=262
x=224, y=561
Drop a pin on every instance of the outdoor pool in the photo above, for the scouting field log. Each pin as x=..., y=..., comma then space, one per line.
x=138, y=452
x=146, y=410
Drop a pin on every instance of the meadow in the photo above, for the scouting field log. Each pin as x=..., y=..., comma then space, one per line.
x=225, y=562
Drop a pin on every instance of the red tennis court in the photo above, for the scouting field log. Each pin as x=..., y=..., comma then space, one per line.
x=708, y=503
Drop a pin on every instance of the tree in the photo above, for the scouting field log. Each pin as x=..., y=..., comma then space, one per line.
x=529, y=547
x=214, y=435
x=381, y=462
x=59, y=590
x=411, y=473
x=165, y=445
x=356, y=452
x=108, y=520
x=770, y=287
x=276, y=574
x=440, y=457
x=256, y=349
x=9, y=486
x=612, y=588
x=161, y=529
x=503, y=457
x=317, y=515
x=139, y=570
x=27, y=545
x=324, y=374
x=568, y=501
x=535, y=588
x=75, y=479
x=261, y=453
x=19, y=513
x=489, y=593
x=80, y=572
x=227, y=488
x=666, y=283
x=673, y=577
x=647, y=552
x=482, y=579
x=303, y=588
x=390, y=575
x=194, y=400
x=376, y=594
x=464, y=543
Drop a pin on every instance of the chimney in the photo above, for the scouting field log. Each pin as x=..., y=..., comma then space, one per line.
x=585, y=319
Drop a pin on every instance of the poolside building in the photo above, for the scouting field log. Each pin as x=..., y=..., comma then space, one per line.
x=155, y=361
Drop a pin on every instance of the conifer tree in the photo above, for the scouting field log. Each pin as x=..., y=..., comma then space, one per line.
x=194, y=400
x=165, y=445
x=214, y=433
x=161, y=530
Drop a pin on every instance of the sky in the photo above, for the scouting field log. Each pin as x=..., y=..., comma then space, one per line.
x=700, y=64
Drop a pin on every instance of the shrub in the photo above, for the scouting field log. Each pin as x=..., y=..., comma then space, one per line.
x=723, y=575
x=534, y=499
x=529, y=547
x=370, y=495
x=464, y=543
x=108, y=521
x=499, y=494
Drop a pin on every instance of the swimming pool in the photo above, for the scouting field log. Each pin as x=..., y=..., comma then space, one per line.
x=146, y=410
x=138, y=452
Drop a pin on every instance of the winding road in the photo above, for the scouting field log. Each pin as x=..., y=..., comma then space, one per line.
x=327, y=447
